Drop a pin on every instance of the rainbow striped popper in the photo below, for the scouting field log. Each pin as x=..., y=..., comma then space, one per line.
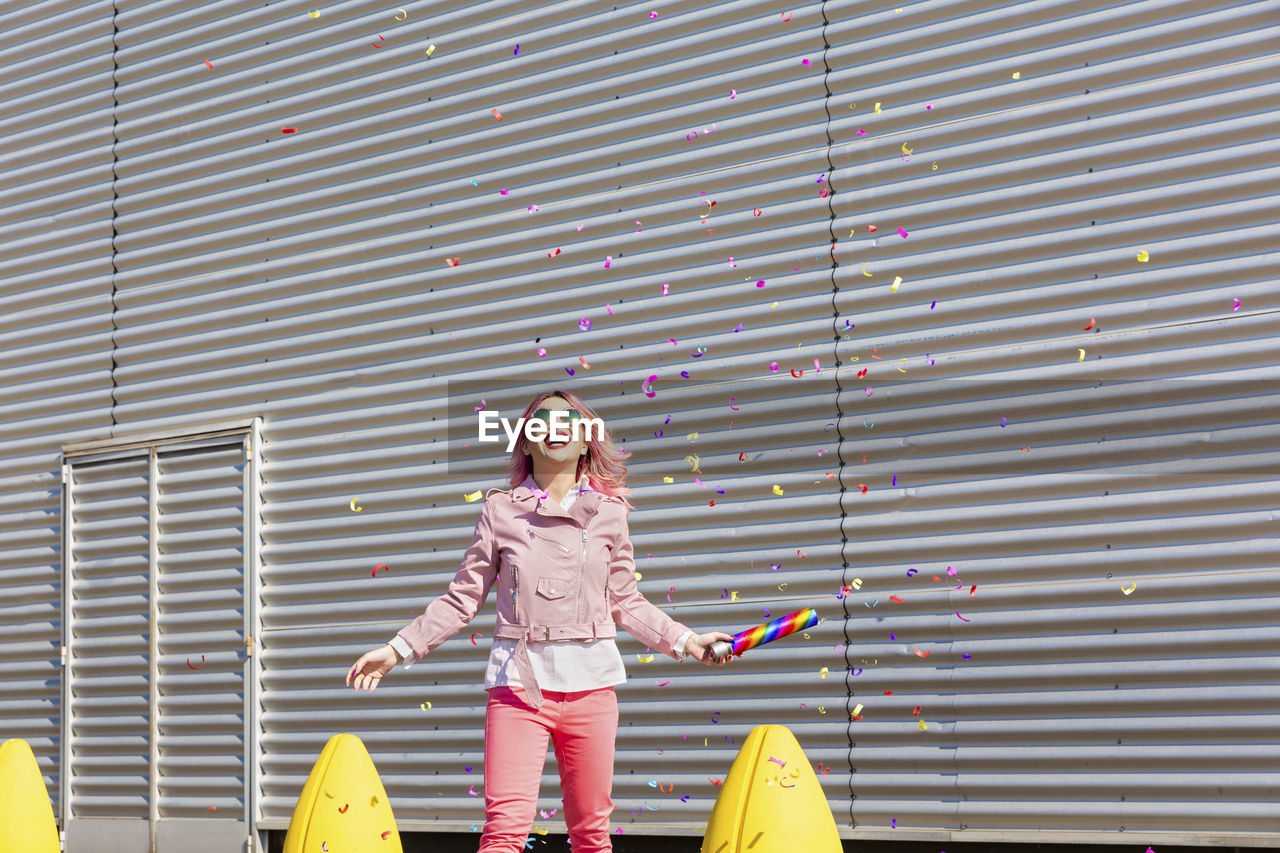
x=801, y=620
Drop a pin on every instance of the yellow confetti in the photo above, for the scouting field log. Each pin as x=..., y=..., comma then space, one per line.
x=426, y=706
x=693, y=436
x=822, y=673
x=857, y=710
x=1143, y=256
x=1081, y=358
x=935, y=166
x=431, y=49
x=733, y=596
x=474, y=496
x=638, y=575
x=645, y=658
x=877, y=108
x=856, y=583
x=355, y=508
x=822, y=709
x=693, y=461
x=402, y=12
x=314, y=14
x=897, y=280
x=864, y=271
x=1128, y=589
x=777, y=490
x=922, y=725
x=668, y=479
x=1017, y=75
x=782, y=587
x=905, y=149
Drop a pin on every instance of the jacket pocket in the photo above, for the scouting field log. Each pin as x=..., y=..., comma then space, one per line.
x=552, y=588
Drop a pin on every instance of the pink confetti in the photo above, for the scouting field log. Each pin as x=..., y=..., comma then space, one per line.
x=733, y=93
x=773, y=367
x=902, y=233
x=962, y=619
x=607, y=261
x=804, y=62
x=928, y=106
x=542, y=352
x=653, y=16
x=664, y=289
x=758, y=284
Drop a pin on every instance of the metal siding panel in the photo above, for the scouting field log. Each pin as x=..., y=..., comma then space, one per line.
x=1060, y=705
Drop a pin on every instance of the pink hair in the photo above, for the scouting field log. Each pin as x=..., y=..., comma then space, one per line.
x=604, y=463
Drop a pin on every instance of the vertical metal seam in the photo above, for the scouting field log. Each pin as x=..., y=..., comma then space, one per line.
x=64, y=764
x=835, y=346
x=153, y=676
x=114, y=196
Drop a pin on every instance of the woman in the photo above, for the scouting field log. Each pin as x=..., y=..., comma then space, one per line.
x=558, y=547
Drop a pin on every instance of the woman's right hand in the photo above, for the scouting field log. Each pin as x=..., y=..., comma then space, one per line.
x=371, y=666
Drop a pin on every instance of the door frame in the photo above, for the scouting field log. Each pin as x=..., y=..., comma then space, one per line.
x=149, y=444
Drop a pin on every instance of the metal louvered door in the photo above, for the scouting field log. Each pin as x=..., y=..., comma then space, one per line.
x=157, y=716
x=106, y=722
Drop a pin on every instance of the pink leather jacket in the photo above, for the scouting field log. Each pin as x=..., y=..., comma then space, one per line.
x=561, y=574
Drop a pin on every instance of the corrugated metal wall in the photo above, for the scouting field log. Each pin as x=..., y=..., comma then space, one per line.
x=1073, y=419
x=55, y=329
x=391, y=263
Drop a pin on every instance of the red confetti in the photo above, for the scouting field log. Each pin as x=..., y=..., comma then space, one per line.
x=208, y=63
x=1092, y=320
x=195, y=667
x=972, y=590
x=344, y=808
x=895, y=598
x=379, y=566
x=288, y=130
x=496, y=114
x=923, y=654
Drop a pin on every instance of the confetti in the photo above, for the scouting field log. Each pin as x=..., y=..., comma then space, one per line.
x=542, y=352
x=314, y=14
x=962, y=619
x=653, y=16
x=288, y=130
x=923, y=654
x=1235, y=304
x=804, y=62
x=1143, y=256
x=733, y=93
x=1081, y=358
x=208, y=63
x=471, y=497
x=355, y=508
x=1017, y=75
x=553, y=254
x=922, y=725
x=496, y=114
x=189, y=666
x=517, y=53
x=585, y=324
x=402, y=12
x=431, y=49
x=877, y=108
x=380, y=566
x=714, y=717
x=822, y=673
x=382, y=38
x=777, y=490
x=1129, y=589
x=452, y=262
x=1092, y=321
x=607, y=261
x=426, y=706
x=786, y=17
x=897, y=280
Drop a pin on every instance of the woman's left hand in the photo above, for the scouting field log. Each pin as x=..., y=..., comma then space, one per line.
x=699, y=645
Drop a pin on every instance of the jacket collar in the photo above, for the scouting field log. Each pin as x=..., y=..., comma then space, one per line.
x=586, y=506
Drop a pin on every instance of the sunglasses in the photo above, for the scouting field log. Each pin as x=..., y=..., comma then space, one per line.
x=570, y=415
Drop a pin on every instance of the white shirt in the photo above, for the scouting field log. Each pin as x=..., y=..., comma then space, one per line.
x=562, y=665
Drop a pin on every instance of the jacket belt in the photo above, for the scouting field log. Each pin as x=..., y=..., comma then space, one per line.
x=524, y=634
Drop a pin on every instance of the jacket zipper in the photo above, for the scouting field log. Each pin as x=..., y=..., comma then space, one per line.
x=582, y=572
x=515, y=595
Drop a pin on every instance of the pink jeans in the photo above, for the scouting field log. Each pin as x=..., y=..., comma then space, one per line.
x=583, y=726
